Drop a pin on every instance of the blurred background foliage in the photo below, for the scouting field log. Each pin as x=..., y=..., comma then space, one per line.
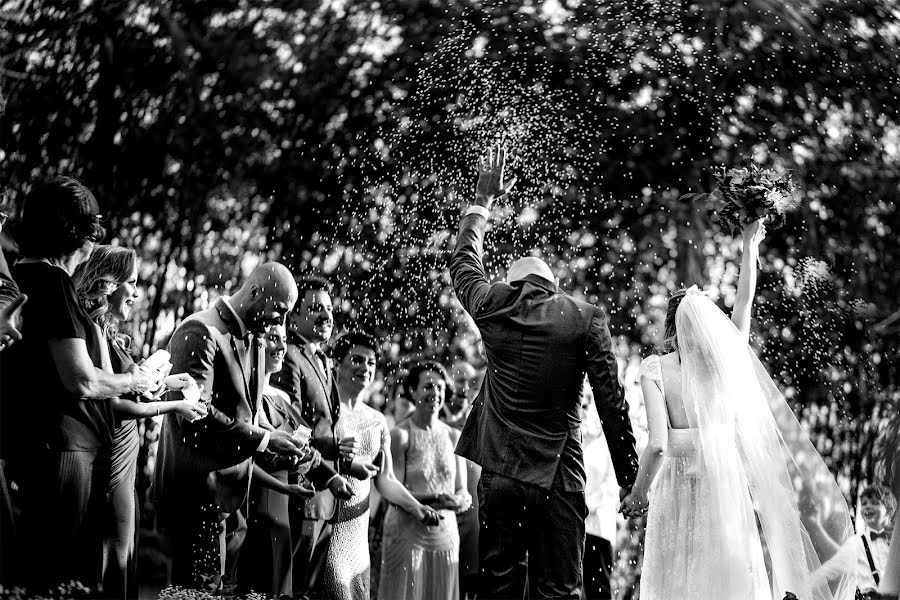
x=340, y=136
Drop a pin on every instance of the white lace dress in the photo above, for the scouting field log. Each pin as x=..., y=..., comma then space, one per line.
x=421, y=562
x=695, y=548
x=347, y=562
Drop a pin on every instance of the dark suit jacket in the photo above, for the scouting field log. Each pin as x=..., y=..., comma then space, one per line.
x=312, y=390
x=539, y=343
x=213, y=454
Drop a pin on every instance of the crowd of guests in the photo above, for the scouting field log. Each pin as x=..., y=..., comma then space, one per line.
x=268, y=455
x=273, y=473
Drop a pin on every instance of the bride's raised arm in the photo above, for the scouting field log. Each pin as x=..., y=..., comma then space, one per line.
x=751, y=236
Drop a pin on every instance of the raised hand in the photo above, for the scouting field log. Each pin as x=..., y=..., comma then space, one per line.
x=491, y=184
x=8, y=332
x=753, y=233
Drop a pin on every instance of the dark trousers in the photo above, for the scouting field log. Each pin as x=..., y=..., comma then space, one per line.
x=196, y=533
x=311, y=540
x=597, y=568
x=523, y=524
x=58, y=538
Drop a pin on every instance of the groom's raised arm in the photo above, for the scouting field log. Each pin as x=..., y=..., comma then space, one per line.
x=470, y=281
x=466, y=265
x=609, y=398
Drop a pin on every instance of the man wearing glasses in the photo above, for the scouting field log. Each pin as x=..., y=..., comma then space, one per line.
x=10, y=300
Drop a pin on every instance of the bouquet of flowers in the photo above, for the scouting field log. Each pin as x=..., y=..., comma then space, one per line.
x=750, y=194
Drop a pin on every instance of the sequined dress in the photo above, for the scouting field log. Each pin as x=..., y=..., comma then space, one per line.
x=421, y=562
x=347, y=563
x=688, y=545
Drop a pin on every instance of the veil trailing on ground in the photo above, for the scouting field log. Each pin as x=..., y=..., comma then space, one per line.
x=749, y=438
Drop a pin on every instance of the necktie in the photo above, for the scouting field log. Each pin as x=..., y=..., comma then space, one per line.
x=256, y=366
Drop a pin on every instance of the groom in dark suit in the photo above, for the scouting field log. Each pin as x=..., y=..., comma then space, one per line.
x=203, y=467
x=524, y=429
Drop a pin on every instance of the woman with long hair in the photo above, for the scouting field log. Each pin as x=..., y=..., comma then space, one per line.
x=107, y=288
x=724, y=451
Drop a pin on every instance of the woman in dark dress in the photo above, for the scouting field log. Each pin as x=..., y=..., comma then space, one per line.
x=56, y=397
x=265, y=561
x=107, y=287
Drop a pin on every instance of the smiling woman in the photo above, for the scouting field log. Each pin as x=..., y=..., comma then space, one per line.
x=107, y=287
x=420, y=562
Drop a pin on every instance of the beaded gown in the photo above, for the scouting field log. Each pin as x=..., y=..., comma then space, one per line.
x=421, y=562
x=690, y=544
x=347, y=563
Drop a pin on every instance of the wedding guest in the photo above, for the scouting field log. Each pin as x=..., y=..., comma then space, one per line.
x=601, y=493
x=204, y=467
x=266, y=563
x=463, y=391
x=308, y=379
x=421, y=562
x=865, y=554
x=10, y=300
x=466, y=383
x=106, y=285
x=347, y=560
x=57, y=398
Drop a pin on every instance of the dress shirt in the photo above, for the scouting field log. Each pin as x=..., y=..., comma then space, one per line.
x=852, y=557
x=475, y=209
x=264, y=443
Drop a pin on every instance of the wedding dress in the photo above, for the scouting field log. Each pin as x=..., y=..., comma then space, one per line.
x=724, y=519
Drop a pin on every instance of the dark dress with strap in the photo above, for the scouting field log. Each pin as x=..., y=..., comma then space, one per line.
x=119, y=475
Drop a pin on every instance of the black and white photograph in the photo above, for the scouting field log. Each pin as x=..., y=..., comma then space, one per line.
x=449, y=299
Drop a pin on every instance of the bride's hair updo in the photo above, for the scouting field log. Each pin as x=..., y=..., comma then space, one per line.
x=670, y=339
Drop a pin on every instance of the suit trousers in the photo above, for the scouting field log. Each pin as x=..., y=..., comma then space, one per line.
x=523, y=524
x=597, y=568
x=196, y=534
x=311, y=540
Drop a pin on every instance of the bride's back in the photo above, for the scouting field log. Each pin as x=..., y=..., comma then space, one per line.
x=670, y=368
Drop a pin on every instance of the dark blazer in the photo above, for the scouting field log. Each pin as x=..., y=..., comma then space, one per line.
x=312, y=390
x=214, y=453
x=539, y=342
x=314, y=393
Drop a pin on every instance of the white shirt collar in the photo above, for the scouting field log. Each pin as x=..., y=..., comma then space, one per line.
x=227, y=301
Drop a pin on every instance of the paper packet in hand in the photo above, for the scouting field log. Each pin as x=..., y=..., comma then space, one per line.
x=302, y=434
x=155, y=361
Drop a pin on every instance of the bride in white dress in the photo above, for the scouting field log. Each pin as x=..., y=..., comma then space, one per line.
x=725, y=462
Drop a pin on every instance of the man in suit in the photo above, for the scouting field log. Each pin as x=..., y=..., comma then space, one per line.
x=307, y=377
x=524, y=429
x=203, y=467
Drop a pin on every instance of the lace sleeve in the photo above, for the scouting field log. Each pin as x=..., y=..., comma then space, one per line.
x=651, y=368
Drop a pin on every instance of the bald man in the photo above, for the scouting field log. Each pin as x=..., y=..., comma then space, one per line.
x=203, y=467
x=524, y=428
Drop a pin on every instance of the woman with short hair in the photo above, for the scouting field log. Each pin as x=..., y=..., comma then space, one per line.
x=57, y=398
